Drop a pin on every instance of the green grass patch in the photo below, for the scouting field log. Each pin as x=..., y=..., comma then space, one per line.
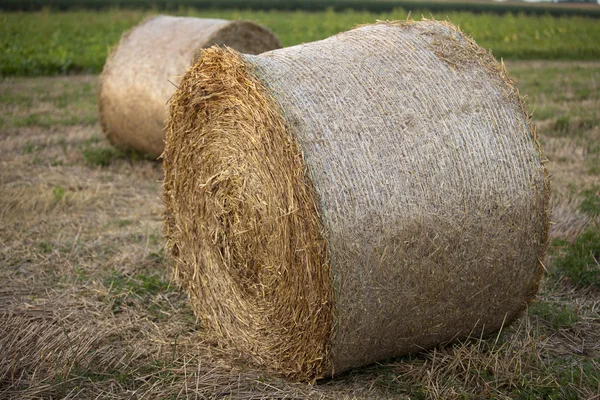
x=157, y=257
x=44, y=120
x=139, y=284
x=49, y=43
x=44, y=247
x=101, y=156
x=96, y=154
x=139, y=291
x=580, y=260
x=558, y=316
x=29, y=148
x=591, y=202
x=567, y=125
x=58, y=192
x=593, y=160
x=573, y=375
x=123, y=222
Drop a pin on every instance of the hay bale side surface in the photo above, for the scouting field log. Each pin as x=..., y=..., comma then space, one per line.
x=143, y=70
x=341, y=202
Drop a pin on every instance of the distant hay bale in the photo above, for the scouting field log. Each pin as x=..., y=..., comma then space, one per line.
x=140, y=75
x=340, y=202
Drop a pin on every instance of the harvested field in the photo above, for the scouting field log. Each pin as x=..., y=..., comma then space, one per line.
x=88, y=309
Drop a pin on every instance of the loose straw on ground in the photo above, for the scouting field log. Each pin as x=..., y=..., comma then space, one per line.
x=144, y=69
x=341, y=202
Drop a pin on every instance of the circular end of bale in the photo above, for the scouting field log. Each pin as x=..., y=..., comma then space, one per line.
x=246, y=37
x=241, y=219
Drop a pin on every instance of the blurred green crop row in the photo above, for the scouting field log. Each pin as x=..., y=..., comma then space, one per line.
x=439, y=6
x=50, y=43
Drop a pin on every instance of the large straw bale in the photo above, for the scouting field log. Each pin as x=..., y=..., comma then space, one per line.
x=142, y=72
x=340, y=202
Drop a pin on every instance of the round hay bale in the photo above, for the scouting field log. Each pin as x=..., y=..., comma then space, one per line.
x=143, y=70
x=340, y=202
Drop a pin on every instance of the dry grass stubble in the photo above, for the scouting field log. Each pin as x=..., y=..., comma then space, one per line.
x=86, y=308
